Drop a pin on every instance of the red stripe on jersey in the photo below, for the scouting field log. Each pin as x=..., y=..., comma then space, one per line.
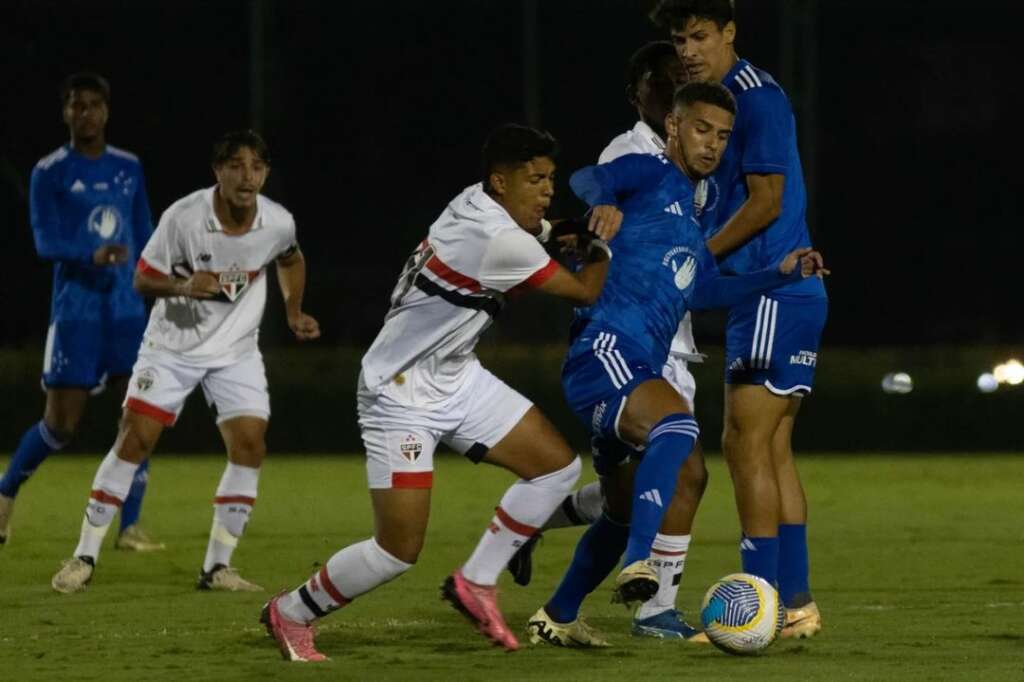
x=542, y=275
x=436, y=266
x=147, y=269
x=101, y=496
x=163, y=416
x=512, y=524
x=234, y=499
x=412, y=479
x=661, y=552
x=329, y=587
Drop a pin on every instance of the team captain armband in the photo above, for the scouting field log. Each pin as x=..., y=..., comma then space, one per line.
x=288, y=253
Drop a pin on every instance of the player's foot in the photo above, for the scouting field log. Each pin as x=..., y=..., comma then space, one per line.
x=576, y=634
x=802, y=623
x=74, y=574
x=135, y=539
x=521, y=563
x=225, y=578
x=637, y=582
x=479, y=603
x=6, y=510
x=294, y=639
x=665, y=625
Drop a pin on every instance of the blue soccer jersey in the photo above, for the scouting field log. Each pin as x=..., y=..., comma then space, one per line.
x=763, y=141
x=78, y=204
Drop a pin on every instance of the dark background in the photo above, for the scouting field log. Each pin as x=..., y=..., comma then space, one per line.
x=375, y=113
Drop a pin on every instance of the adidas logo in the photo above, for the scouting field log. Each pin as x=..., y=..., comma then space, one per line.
x=746, y=544
x=674, y=208
x=737, y=365
x=78, y=186
x=652, y=495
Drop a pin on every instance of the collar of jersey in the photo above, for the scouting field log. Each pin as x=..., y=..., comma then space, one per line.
x=213, y=223
x=647, y=133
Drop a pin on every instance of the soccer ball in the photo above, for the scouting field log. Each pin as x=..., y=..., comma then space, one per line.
x=742, y=614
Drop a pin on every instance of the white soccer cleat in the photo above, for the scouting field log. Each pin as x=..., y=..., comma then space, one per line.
x=73, y=576
x=802, y=623
x=576, y=634
x=135, y=539
x=225, y=578
x=637, y=582
x=6, y=510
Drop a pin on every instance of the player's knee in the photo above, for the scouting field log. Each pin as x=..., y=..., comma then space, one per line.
x=693, y=478
x=406, y=548
x=134, y=444
x=248, y=452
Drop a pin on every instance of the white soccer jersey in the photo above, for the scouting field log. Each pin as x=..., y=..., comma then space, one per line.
x=643, y=140
x=447, y=295
x=190, y=239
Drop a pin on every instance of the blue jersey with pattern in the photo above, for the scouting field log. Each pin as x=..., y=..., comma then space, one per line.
x=763, y=141
x=660, y=268
x=78, y=204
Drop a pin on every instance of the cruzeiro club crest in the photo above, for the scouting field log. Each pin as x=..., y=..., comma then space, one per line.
x=105, y=221
x=683, y=263
x=411, y=448
x=234, y=282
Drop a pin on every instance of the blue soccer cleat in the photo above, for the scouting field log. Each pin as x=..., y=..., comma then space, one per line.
x=665, y=625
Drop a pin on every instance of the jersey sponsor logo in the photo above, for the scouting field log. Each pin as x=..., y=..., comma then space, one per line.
x=205, y=257
x=100, y=186
x=411, y=448
x=598, y=418
x=683, y=263
x=77, y=186
x=105, y=221
x=706, y=191
x=145, y=379
x=804, y=357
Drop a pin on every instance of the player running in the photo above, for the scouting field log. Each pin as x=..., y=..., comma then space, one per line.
x=771, y=340
x=652, y=74
x=206, y=266
x=642, y=428
x=90, y=217
x=421, y=384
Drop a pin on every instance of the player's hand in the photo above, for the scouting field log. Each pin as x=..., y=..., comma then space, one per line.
x=201, y=285
x=808, y=260
x=605, y=222
x=110, y=254
x=304, y=326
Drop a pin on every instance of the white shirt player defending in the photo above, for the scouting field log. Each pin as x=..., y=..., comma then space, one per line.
x=643, y=140
x=190, y=238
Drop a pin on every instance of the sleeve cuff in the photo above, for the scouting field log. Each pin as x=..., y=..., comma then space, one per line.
x=544, y=274
x=147, y=269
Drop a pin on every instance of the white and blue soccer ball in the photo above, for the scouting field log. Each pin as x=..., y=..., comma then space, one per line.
x=742, y=614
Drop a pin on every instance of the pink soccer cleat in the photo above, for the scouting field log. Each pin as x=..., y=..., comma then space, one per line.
x=294, y=639
x=479, y=603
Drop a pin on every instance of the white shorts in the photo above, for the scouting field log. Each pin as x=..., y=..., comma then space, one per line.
x=161, y=381
x=400, y=439
x=677, y=374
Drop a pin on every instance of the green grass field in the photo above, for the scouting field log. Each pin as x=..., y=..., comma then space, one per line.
x=916, y=564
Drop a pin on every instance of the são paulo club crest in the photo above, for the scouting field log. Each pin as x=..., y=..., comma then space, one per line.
x=411, y=448
x=105, y=221
x=144, y=379
x=234, y=282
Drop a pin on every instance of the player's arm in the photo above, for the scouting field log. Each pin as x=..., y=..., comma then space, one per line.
x=154, y=274
x=767, y=122
x=291, y=277
x=584, y=287
x=605, y=185
x=51, y=243
x=715, y=290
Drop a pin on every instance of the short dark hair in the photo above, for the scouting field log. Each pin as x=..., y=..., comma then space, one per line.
x=513, y=144
x=84, y=81
x=643, y=60
x=707, y=92
x=675, y=14
x=229, y=144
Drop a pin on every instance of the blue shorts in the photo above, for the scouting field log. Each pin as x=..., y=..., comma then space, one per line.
x=602, y=369
x=83, y=353
x=773, y=342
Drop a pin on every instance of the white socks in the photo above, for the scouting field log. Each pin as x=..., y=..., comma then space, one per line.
x=668, y=557
x=109, y=488
x=353, y=571
x=523, y=509
x=581, y=508
x=232, y=507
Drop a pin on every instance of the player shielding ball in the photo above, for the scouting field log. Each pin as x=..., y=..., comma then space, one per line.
x=642, y=428
x=206, y=266
x=421, y=384
x=90, y=218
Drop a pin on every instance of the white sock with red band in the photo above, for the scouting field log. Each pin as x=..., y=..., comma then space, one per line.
x=109, y=488
x=353, y=571
x=232, y=508
x=668, y=558
x=523, y=509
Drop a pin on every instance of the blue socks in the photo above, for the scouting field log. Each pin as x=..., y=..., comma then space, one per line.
x=34, y=447
x=132, y=506
x=597, y=552
x=794, y=586
x=760, y=557
x=668, y=445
